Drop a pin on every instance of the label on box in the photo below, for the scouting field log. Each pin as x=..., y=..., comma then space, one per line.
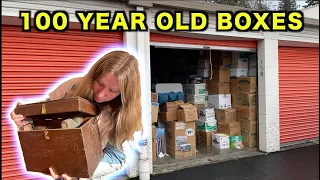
x=190, y=132
x=180, y=125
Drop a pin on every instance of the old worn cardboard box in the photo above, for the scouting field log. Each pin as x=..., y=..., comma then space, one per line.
x=79, y=148
x=221, y=58
x=247, y=84
x=247, y=112
x=187, y=112
x=170, y=106
x=154, y=112
x=249, y=140
x=215, y=87
x=220, y=141
x=205, y=137
x=233, y=85
x=219, y=101
x=207, y=125
x=154, y=97
x=234, y=98
x=246, y=99
x=196, y=98
x=154, y=143
x=226, y=115
x=220, y=75
x=206, y=113
x=181, y=139
x=248, y=126
x=194, y=88
x=168, y=116
x=200, y=106
x=232, y=129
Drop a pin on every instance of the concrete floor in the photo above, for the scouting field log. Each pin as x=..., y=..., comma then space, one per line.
x=292, y=164
x=205, y=155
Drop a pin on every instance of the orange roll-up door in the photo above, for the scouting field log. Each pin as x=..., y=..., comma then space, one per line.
x=299, y=93
x=34, y=61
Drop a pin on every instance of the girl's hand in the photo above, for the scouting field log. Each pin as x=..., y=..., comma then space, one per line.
x=57, y=177
x=18, y=118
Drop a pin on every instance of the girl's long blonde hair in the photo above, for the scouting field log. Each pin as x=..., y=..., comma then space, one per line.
x=126, y=108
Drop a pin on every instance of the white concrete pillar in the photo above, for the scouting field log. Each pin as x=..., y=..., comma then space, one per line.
x=268, y=92
x=139, y=42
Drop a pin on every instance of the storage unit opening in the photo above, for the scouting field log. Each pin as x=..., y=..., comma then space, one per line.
x=220, y=92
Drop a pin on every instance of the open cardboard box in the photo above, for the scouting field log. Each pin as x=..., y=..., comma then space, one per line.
x=75, y=152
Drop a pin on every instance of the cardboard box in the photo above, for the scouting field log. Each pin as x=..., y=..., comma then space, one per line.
x=187, y=112
x=196, y=99
x=215, y=87
x=154, y=144
x=207, y=126
x=237, y=72
x=194, y=88
x=206, y=113
x=219, y=101
x=221, y=58
x=154, y=111
x=248, y=126
x=236, y=142
x=160, y=141
x=226, y=115
x=168, y=116
x=252, y=72
x=232, y=129
x=220, y=141
x=200, y=106
x=246, y=99
x=247, y=84
x=181, y=139
x=249, y=140
x=247, y=112
x=170, y=106
x=233, y=85
x=253, y=60
x=205, y=137
x=220, y=75
x=241, y=63
x=154, y=97
x=234, y=99
x=203, y=72
x=204, y=63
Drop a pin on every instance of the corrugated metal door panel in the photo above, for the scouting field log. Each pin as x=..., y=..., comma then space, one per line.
x=32, y=62
x=155, y=37
x=299, y=93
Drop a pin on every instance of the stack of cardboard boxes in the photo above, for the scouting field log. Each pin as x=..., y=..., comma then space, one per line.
x=180, y=128
x=196, y=94
x=206, y=125
x=252, y=72
x=246, y=109
x=239, y=65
